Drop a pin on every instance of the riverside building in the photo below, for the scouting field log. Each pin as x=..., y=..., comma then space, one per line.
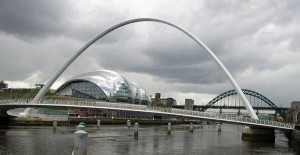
x=104, y=85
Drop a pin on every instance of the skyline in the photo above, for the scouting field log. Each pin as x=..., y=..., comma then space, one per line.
x=256, y=41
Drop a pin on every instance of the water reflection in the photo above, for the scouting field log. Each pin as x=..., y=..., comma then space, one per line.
x=31, y=141
x=152, y=140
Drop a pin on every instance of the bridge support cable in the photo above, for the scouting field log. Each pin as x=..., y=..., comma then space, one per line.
x=47, y=86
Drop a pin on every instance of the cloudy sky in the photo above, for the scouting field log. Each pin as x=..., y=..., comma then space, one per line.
x=258, y=42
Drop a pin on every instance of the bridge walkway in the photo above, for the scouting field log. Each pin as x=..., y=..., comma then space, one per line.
x=148, y=109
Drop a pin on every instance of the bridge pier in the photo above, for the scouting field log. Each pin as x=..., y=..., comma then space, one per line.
x=169, y=128
x=128, y=124
x=98, y=123
x=54, y=125
x=191, y=127
x=219, y=128
x=80, y=142
x=258, y=134
x=136, y=130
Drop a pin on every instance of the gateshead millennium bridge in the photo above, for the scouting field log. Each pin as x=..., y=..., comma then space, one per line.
x=8, y=104
x=39, y=102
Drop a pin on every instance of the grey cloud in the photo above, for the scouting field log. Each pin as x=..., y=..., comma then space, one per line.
x=175, y=60
x=224, y=38
x=39, y=19
x=33, y=18
x=40, y=35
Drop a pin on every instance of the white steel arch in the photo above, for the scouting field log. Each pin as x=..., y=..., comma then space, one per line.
x=47, y=86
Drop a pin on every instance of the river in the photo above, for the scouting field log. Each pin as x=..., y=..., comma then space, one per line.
x=152, y=140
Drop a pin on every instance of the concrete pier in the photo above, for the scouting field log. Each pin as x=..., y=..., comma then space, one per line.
x=295, y=140
x=169, y=128
x=219, y=127
x=191, y=127
x=128, y=124
x=80, y=142
x=98, y=123
x=258, y=134
x=136, y=130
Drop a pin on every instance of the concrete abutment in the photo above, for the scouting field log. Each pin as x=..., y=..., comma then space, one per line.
x=295, y=140
x=4, y=120
x=258, y=134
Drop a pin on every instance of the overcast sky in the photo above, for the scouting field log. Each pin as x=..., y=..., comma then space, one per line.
x=258, y=42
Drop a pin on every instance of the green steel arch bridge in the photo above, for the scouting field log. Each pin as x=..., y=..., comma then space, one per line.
x=230, y=100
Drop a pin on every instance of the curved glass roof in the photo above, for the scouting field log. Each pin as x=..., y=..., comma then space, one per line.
x=113, y=85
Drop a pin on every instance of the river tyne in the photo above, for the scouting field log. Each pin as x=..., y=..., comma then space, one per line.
x=152, y=140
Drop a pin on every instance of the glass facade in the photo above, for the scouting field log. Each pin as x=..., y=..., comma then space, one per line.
x=49, y=111
x=123, y=94
x=104, y=85
x=87, y=90
x=139, y=94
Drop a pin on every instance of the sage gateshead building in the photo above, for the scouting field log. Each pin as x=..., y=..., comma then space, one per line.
x=104, y=85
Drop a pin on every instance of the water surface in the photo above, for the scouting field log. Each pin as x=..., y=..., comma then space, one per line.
x=154, y=140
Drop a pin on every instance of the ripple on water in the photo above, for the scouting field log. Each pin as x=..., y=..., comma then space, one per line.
x=152, y=140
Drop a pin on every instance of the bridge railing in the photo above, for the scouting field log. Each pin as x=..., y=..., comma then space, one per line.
x=19, y=101
x=189, y=113
x=230, y=117
x=79, y=103
x=95, y=103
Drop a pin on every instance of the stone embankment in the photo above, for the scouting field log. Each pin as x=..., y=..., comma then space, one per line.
x=295, y=140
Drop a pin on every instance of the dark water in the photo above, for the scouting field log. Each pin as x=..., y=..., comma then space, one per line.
x=152, y=140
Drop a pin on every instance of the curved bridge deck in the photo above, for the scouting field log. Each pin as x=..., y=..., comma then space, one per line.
x=147, y=109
